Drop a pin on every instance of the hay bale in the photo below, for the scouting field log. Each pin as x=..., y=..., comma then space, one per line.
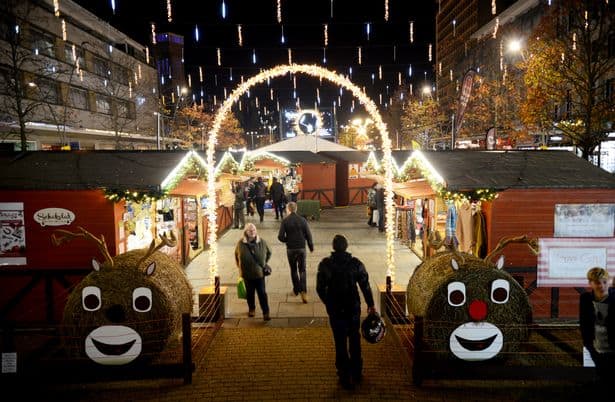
x=124, y=312
x=480, y=326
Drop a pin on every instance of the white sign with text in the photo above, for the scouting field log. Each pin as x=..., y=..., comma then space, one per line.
x=54, y=217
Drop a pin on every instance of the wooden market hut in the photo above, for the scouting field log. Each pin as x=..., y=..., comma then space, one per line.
x=528, y=184
x=106, y=192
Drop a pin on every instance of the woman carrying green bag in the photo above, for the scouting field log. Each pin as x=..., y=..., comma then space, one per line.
x=251, y=255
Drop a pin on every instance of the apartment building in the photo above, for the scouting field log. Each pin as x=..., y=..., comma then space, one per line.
x=69, y=80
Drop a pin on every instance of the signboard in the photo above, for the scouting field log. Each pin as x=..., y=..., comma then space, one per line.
x=464, y=98
x=490, y=140
x=564, y=262
x=54, y=217
x=584, y=220
x=12, y=234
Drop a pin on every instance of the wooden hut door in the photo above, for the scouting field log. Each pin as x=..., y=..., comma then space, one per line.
x=341, y=183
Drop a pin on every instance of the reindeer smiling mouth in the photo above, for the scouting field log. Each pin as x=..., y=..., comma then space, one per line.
x=476, y=341
x=113, y=345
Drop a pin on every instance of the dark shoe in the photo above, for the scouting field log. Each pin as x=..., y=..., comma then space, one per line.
x=357, y=379
x=266, y=317
x=304, y=297
x=347, y=383
x=251, y=313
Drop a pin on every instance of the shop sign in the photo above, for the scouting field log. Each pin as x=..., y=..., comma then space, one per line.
x=54, y=217
x=564, y=262
x=584, y=220
x=12, y=234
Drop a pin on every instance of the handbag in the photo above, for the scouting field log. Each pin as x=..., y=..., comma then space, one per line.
x=266, y=269
x=242, y=293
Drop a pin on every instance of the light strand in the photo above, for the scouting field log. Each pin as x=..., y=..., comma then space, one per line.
x=169, y=15
x=279, y=11
x=239, y=35
x=386, y=10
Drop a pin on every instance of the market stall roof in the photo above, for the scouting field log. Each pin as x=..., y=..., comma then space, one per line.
x=297, y=156
x=500, y=170
x=352, y=156
x=79, y=170
x=310, y=143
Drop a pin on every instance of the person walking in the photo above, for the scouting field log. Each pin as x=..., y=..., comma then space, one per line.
x=597, y=323
x=276, y=193
x=260, y=194
x=371, y=204
x=239, y=219
x=380, y=207
x=336, y=285
x=251, y=255
x=249, y=192
x=295, y=232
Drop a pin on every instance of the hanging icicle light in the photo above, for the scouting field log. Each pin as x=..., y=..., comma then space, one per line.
x=189, y=81
x=290, y=56
x=450, y=74
x=279, y=11
x=399, y=78
x=454, y=26
x=318, y=95
x=574, y=41
x=331, y=9
x=63, y=30
x=386, y=10
x=56, y=7
x=429, y=51
x=196, y=33
x=350, y=72
x=230, y=74
x=271, y=94
x=380, y=72
x=360, y=56
x=223, y=9
x=153, y=26
x=411, y=31
x=495, y=28
x=219, y=56
x=367, y=29
x=493, y=7
x=440, y=68
x=282, y=38
x=129, y=89
x=373, y=78
x=169, y=16
x=239, y=35
x=410, y=70
x=324, y=55
x=294, y=82
x=147, y=54
x=394, y=53
x=586, y=19
x=139, y=71
x=411, y=90
x=325, y=28
x=200, y=73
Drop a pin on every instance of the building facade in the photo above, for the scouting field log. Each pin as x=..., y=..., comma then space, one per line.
x=69, y=80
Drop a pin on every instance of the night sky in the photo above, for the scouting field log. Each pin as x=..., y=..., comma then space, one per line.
x=388, y=47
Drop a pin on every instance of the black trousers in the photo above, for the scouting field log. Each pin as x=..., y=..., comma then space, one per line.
x=260, y=206
x=348, y=361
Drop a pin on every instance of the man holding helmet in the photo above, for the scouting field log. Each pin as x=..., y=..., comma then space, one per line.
x=336, y=285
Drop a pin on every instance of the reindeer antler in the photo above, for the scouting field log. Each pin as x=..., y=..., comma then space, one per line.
x=153, y=248
x=435, y=241
x=67, y=236
x=531, y=243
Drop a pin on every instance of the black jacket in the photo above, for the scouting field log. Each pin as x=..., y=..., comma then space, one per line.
x=336, y=285
x=587, y=319
x=295, y=232
x=276, y=191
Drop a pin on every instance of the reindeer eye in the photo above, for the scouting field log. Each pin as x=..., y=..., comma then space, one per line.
x=142, y=300
x=456, y=294
x=90, y=298
x=500, y=289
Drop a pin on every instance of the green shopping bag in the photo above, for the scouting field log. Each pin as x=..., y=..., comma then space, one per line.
x=241, y=289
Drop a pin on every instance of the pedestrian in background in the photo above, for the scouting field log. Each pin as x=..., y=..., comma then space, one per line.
x=251, y=255
x=295, y=232
x=336, y=285
x=249, y=191
x=260, y=194
x=276, y=194
x=239, y=219
x=380, y=206
x=371, y=204
x=597, y=323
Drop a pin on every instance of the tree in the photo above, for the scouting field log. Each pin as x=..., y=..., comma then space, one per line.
x=421, y=119
x=28, y=74
x=569, y=70
x=358, y=134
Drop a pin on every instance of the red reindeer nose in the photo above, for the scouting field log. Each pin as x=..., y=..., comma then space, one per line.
x=478, y=310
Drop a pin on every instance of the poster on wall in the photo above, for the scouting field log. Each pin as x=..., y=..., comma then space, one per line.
x=584, y=220
x=12, y=234
x=564, y=262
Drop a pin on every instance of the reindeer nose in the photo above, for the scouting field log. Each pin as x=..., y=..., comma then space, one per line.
x=116, y=313
x=478, y=310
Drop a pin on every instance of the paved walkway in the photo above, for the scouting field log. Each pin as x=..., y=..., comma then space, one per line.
x=365, y=243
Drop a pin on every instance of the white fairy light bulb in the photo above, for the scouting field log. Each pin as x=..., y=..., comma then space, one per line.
x=139, y=71
x=450, y=74
x=271, y=94
x=410, y=70
x=189, y=80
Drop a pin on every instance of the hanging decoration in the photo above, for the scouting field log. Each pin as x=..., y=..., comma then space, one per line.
x=367, y=29
x=394, y=53
x=117, y=195
x=360, y=57
x=239, y=35
x=169, y=16
x=290, y=56
x=411, y=31
x=380, y=72
x=200, y=73
x=326, y=34
x=574, y=41
x=399, y=79
x=495, y=28
x=153, y=26
x=219, y=56
x=282, y=38
x=63, y=30
x=279, y=11
x=230, y=74
x=147, y=54
x=223, y=10
x=429, y=51
x=324, y=55
x=196, y=33
x=386, y=10
x=493, y=7
x=331, y=9
x=410, y=70
x=56, y=7
x=253, y=56
x=454, y=26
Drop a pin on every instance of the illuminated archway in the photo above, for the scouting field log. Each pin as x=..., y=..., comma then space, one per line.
x=317, y=72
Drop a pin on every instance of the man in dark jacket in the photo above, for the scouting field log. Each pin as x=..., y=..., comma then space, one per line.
x=336, y=285
x=597, y=323
x=276, y=193
x=260, y=194
x=295, y=232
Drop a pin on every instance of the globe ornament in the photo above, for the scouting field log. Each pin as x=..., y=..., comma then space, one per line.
x=308, y=122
